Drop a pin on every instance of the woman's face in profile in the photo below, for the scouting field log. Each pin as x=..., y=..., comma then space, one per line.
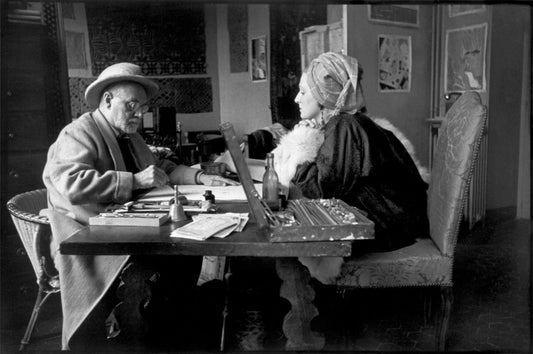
x=309, y=107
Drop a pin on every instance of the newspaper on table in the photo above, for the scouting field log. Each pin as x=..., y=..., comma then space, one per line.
x=204, y=226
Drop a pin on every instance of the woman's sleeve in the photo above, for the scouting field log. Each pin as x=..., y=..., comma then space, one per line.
x=339, y=164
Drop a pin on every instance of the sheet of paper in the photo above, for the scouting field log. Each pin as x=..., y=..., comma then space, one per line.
x=240, y=219
x=204, y=228
x=195, y=192
x=255, y=166
x=161, y=194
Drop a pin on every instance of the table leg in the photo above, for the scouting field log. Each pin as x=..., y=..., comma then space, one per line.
x=134, y=294
x=296, y=289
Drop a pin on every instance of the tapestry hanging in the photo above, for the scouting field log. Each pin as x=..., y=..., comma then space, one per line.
x=163, y=38
x=187, y=95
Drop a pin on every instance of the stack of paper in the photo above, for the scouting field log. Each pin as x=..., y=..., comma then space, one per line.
x=207, y=225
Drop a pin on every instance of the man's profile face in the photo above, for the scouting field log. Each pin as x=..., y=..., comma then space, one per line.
x=127, y=104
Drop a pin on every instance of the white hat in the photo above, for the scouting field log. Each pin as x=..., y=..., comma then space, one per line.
x=116, y=73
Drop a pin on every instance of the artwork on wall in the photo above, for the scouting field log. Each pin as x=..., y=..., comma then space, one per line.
x=163, y=38
x=238, y=37
x=76, y=54
x=315, y=40
x=258, y=59
x=465, y=58
x=394, y=63
x=186, y=95
x=399, y=15
x=465, y=9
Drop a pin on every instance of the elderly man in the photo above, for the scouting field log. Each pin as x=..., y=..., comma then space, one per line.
x=98, y=160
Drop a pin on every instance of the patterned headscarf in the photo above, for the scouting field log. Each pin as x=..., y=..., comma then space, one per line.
x=334, y=82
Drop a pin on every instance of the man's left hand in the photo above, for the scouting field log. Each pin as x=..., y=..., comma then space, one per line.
x=215, y=180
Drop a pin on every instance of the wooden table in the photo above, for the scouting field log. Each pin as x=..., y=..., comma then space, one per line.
x=251, y=242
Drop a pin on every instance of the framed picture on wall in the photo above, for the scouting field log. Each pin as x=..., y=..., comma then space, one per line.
x=394, y=63
x=465, y=59
x=465, y=9
x=258, y=59
x=76, y=54
x=399, y=15
x=315, y=40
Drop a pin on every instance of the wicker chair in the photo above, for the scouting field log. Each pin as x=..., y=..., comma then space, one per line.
x=35, y=233
x=429, y=262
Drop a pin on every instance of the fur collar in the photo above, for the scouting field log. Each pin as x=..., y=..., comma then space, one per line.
x=301, y=145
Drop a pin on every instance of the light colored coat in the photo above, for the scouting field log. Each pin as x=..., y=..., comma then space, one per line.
x=84, y=173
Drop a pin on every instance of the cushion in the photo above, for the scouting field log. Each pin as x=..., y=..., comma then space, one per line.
x=457, y=145
x=420, y=264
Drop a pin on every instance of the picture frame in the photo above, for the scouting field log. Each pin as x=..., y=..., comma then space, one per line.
x=398, y=15
x=76, y=53
x=258, y=59
x=465, y=59
x=394, y=63
x=464, y=9
x=315, y=40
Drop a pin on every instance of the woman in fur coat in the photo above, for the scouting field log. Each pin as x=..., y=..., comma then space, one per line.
x=336, y=151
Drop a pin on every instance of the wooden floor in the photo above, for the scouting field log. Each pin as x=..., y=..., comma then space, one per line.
x=491, y=312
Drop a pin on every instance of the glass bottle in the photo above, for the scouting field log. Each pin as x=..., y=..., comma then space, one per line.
x=270, y=184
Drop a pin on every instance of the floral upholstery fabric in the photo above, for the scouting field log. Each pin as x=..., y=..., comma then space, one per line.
x=430, y=261
x=457, y=145
x=420, y=264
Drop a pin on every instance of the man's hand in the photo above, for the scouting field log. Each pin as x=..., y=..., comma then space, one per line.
x=151, y=176
x=214, y=180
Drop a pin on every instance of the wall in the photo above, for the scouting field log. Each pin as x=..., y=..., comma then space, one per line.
x=243, y=103
x=407, y=111
x=505, y=103
x=206, y=103
x=207, y=120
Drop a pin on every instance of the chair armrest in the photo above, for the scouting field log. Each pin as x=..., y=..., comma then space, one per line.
x=42, y=241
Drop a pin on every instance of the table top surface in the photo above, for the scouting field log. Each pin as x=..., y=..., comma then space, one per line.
x=252, y=241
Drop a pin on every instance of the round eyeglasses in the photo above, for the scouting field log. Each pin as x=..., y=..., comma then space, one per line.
x=133, y=106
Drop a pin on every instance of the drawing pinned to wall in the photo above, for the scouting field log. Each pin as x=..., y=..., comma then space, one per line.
x=465, y=58
x=465, y=9
x=259, y=59
x=394, y=63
